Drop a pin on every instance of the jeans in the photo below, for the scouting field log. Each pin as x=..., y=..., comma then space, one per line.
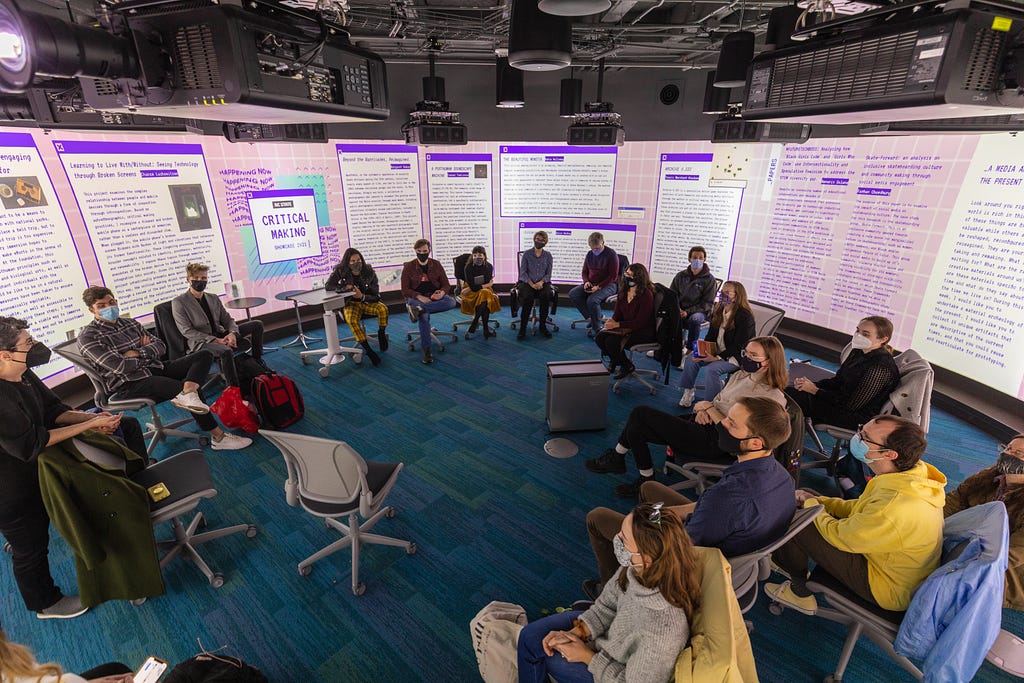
x=692, y=323
x=589, y=305
x=445, y=303
x=713, y=375
x=250, y=338
x=534, y=665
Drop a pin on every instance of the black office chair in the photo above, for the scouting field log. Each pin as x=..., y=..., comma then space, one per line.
x=177, y=346
x=459, y=263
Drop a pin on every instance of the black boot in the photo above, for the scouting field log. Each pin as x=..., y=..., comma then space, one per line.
x=472, y=325
x=370, y=353
x=524, y=321
x=485, y=318
x=382, y=338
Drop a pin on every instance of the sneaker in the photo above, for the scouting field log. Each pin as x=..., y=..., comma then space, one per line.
x=68, y=607
x=230, y=442
x=592, y=588
x=650, y=354
x=428, y=357
x=414, y=312
x=609, y=462
x=632, y=489
x=783, y=594
x=687, y=400
x=190, y=402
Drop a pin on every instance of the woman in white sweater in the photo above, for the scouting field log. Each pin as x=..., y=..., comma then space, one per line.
x=640, y=622
x=17, y=665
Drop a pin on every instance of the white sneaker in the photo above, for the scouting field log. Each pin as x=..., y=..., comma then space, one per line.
x=687, y=400
x=650, y=354
x=190, y=402
x=230, y=442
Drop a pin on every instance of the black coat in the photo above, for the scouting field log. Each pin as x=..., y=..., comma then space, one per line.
x=342, y=279
x=743, y=330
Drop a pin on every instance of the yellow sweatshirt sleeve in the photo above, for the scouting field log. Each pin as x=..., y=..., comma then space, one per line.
x=868, y=531
x=837, y=507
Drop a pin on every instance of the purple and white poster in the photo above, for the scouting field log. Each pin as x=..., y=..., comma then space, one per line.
x=459, y=195
x=568, y=245
x=557, y=182
x=285, y=224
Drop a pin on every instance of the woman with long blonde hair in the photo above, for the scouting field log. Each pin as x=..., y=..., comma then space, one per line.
x=17, y=665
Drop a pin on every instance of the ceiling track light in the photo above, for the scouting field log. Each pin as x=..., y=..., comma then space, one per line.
x=573, y=8
x=734, y=59
x=538, y=41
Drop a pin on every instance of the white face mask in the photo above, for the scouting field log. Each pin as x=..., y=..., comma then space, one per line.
x=861, y=342
x=622, y=554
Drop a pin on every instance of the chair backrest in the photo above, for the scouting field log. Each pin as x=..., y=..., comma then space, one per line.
x=788, y=453
x=718, y=284
x=167, y=330
x=623, y=264
x=71, y=351
x=459, y=264
x=767, y=318
x=801, y=518
x=319, y=470
x=912, y=398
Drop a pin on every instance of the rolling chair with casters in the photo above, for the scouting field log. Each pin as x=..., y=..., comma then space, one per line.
x=534, y=319
x=156, y=430
x=910, y=399
x=330, y=480
x=459, y=263
x=610, y=301
x=413, y=338
x=177, y=345
x=953, y=598
x=653, y=348
x=767, y=318
x=187, y=478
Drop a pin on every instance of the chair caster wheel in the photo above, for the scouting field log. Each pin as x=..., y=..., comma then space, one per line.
x=359, y=589
x=138, y=602
x=358, y=358
x=305, y=361
x=408, y=336
x=615, y=390
x=217, y=580
x=325, y=372
x=305, y=571
x=455, y=328
x=411, y=550
x=775, y=608
x=572, y=325
x=204, y=441
x=251, y=531
x=411, y=347
x=654, y=392
x=391, y=512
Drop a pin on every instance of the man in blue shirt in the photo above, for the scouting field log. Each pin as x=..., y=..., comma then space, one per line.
x=748, y=508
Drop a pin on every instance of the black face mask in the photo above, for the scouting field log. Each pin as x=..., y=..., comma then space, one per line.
x=729, y=443
x=630, y=282
x=198, y=285
x=38, y=355
x=539, y=245
x=356, y=267
x=749, y=365
x=422, y=257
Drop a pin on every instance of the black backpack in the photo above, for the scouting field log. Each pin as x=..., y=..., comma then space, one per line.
x=249, y=368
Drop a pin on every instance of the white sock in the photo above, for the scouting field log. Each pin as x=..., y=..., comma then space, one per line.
x=647, y=473
x=620, y=449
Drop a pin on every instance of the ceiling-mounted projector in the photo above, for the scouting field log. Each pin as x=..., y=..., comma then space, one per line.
x=942, y=64
x=597, y=125
x=267, y=63
x=739, y=130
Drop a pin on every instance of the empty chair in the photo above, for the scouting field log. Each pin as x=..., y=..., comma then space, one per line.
x=156, y=430
x=330, y=480
x=186, y=477
x=767, y=318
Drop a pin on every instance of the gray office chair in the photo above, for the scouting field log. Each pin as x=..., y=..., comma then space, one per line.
x=186, y=476
x=982, y=529
x=767, y=318
x=330, y=480
x=156, y=430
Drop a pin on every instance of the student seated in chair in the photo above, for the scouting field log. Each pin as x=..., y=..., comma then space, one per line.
x=207, y=326
x=1003, y=481
x=883, y=544
x=695, y=290
x=631, y=323
x=32, y=418
x=478, y=297
x=748, y=508
x=425, y=288
x=640, y=622
x=128, y=358
x=355, y=275
x=695, y=437
x=535, y=284
x=600, y=277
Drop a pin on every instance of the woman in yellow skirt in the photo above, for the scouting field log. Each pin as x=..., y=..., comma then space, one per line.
x=478, y=297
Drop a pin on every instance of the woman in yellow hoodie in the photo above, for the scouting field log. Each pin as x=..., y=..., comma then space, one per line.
x=883, y=544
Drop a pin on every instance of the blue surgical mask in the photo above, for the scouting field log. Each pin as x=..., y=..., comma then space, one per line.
x=724, y=299
x=622, y=554
x=697, y=264
x=110, y=313
x=860, y=450
x=597, y=251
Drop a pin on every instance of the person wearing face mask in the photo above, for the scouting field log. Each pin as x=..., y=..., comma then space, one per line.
x=748, y=508
x=695, y=437
x=534, y=278
x=732, y=326
x=206, y=325
x=425, y=288
x=478, y=297
x=640, y=622
x=695, y=293
x=600, y=274
x=1003, y=481
x=353, y=274
x=31, y=419
x=631, y=323
x=881, y=545
x=130, y=363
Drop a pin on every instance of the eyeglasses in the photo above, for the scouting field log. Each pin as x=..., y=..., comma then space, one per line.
x=744, y=354
x=860, y=433
x=1015, y=452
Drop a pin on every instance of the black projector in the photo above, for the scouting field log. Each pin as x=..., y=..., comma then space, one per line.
x=436, y=134
x=595, y=134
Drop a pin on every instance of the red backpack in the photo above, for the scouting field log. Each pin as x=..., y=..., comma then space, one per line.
x=277, y=399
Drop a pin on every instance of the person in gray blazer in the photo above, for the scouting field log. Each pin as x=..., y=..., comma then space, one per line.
x=205, y=323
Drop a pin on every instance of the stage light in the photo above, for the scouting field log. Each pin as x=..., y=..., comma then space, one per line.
x=573, y=8
x=538, y=41
x=509, y=82
x=734, y=60
x=34, y=44
x=570, y=101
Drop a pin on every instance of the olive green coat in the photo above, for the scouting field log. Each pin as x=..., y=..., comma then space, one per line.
x=104, y=516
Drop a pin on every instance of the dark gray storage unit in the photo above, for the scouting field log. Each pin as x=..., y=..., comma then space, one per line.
x=577, y=395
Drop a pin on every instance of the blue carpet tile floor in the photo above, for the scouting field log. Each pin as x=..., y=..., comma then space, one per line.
x=493, y=516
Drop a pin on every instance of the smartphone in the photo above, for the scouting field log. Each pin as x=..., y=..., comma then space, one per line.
x=151, y=670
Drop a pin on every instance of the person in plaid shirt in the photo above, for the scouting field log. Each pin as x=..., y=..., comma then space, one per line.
x=129, y=359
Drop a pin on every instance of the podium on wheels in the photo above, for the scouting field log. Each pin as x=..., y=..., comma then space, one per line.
x=335, y=352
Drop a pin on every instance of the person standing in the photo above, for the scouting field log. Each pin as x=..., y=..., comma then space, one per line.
x=425, y=288
x=534, y=284
x=600, y=274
